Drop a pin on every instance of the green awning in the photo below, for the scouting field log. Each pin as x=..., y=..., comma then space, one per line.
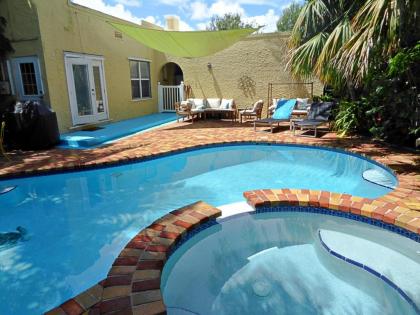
x=184, y=44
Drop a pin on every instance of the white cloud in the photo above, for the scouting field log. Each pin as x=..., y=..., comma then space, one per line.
x=129, y=3
x=201, y=11
x=268, y=20
x=153, y=20
x=117, y=10
x=201, y=26
x=222, y=7
x=172, y=2
x=198, y=10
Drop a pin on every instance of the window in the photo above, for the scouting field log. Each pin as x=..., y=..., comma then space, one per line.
x=27, y=71
x=27, y=76
x=140, y=79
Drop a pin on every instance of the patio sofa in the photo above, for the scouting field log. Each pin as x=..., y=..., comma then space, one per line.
x=211, y=106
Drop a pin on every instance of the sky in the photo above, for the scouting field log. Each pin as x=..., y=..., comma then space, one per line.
x=193, y=15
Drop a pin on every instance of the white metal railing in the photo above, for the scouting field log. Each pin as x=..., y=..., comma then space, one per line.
x=168, y=95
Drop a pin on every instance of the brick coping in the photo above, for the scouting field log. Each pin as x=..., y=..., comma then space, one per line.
x=77, y=167
x=133, y=284
x=381, y=209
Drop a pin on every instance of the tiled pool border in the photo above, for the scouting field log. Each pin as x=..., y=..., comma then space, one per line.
x=355, y=217
x=133, y=283
x=371, y=271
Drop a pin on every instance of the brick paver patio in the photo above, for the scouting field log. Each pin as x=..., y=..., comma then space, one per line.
x=133, y=283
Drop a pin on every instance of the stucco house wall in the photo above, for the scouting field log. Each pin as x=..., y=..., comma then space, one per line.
x=59, y=27
x=244, y=70
x=49, y=29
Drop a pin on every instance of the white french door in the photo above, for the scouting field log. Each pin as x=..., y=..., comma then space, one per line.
x=87, y=88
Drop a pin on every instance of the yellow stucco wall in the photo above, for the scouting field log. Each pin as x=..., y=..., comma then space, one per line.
x=70, y=28
x=58, y=27
x=243, y=71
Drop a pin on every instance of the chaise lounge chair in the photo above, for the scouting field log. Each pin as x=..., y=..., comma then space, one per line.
x=318, y=114
x=281, y=114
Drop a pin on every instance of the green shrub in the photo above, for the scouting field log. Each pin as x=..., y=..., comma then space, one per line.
x=351, y=117
x=388, y=107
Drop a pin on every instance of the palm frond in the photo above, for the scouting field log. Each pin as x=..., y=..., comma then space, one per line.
x=376, y=27
x=336, y=40
x=303, y=58
x=381, y=18
x=353, y=58
x=313, y=16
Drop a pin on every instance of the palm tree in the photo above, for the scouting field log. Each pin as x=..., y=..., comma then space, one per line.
x=337, y=40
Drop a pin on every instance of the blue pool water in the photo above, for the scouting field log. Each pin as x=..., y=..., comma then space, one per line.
x=78, y=222
x=274, y=263
x=112, y=131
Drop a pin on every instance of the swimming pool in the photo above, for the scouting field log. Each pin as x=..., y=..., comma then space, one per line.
x=293, y=263
x=78, y=222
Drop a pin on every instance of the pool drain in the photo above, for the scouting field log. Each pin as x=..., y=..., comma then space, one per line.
x=261, y=288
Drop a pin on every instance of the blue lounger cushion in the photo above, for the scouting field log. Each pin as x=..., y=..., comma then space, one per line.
x=284, y=111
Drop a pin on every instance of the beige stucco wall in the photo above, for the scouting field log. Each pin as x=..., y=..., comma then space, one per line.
x=243, y=71
x=49, y=29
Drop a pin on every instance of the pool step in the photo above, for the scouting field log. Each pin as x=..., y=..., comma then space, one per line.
x=379, y=177
x=397, y=270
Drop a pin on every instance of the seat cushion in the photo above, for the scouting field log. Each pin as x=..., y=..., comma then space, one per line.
x=258, y=105
x=213, y=102
x=302, y=103
x=247, y=112
x=198, y=103
x=320, y=111
x=226, y=104
x=276, y=100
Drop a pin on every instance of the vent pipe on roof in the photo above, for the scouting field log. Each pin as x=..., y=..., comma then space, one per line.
x=172, y=23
